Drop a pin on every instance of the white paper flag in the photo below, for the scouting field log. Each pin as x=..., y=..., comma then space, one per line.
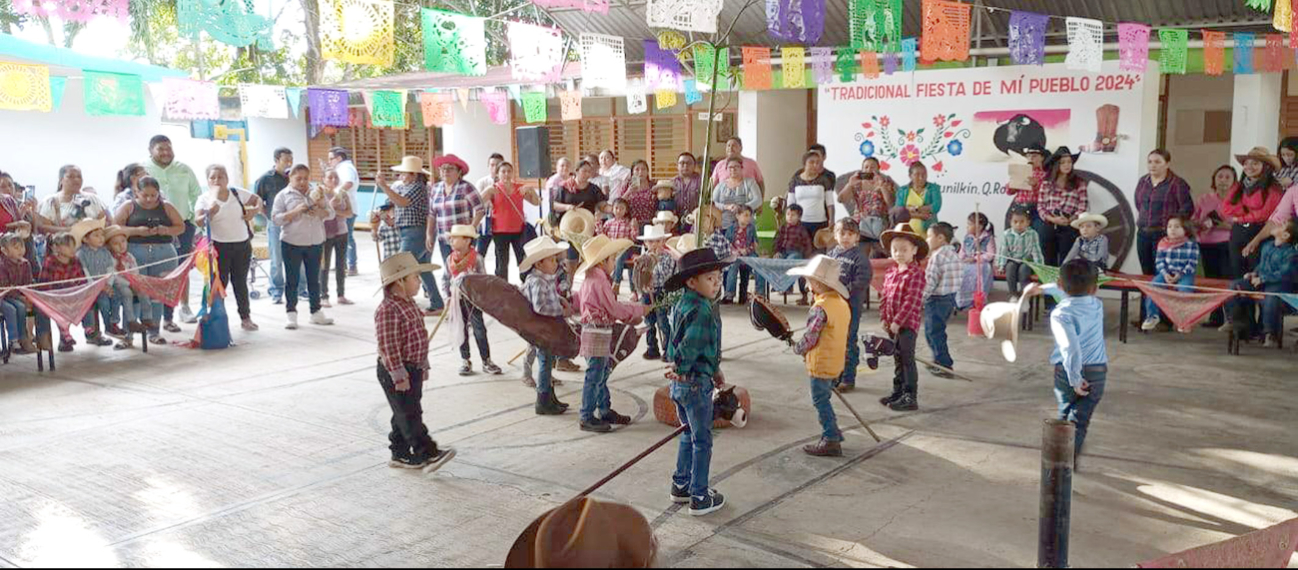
x=685, y=15
x=636, y=102
x=265, y=101
x=1085, y=44
x=603, y=62
x=536, y=53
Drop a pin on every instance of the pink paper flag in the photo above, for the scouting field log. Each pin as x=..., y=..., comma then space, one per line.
x=436, y=109
x=1133, y=46
x=1184, y=309
x=190, y=100
x=497, y=104
x=67, y=305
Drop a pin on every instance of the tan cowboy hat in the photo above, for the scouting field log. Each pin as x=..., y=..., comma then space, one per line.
x=905, y=232
x=413, y=164
x=682, y=244
x=464, y=231
x=666, y=216
x=600, y=248
x=540, y=249
x=713, y=211
x=664, y=183
x=83, y=228
x=111, y=232
x=824, y=239
x=585, y=533
x=1261, y=153
x=399, y=266
x=654, y=233
x=578, y=221
x=825, y=270
x=1088, y=217
x=1001, y=321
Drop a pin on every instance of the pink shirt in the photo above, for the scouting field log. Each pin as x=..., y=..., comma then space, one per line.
x=1205, y=206
x=751, y=170
x=599, y=306
x=1288, y=207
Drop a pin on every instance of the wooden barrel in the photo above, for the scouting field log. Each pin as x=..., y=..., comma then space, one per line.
x=665, y=408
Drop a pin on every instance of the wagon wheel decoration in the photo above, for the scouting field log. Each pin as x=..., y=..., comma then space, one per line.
x=1121, y=230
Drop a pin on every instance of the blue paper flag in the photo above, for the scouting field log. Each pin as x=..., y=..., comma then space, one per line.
x=909, y=47
x=294, y=99
x=57, y=86
x=1244, y=52
x=692, y=94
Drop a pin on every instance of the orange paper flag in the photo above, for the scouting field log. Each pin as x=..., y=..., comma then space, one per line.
x=946, y=31
x=1214, y=52
x=870, y=64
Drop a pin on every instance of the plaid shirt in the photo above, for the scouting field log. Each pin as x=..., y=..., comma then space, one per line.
x=389, y=240
x=1178, y=260
x=623, y=228
x=53, y=270
x=1157, y=204
x=458, y=207
x=1024, y=246
x=794, y=238
x=744, y=241
x=416, y=214
x=855, y=273
x=720, y=244
x=687, y=194
x=695, y=346
x=1031, y=196
x=14, y=273
x=663, y=270
x=1094, y=250
x=903, y=295
x=402, y=336
x=1067, y=202
x=944, y=274
x=542, y=291
x=816, y=321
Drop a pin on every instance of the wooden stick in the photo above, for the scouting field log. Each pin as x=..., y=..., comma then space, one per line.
x=445, y=311
x=944, y=369
x=632, y=462
x=516, y=356
x=858, y=416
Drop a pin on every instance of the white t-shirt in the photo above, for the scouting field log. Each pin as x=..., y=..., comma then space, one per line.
x=347, y=173
x=815, y=200
x=227, y=225
x=82, y=207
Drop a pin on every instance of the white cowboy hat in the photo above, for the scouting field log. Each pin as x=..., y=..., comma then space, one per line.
x=666, y=216
x=682, y=244
x=1001, y=321
x=413, y=164
x=654, y=233
x=1092, y=218
x=578, y=221
x=463, y=231
x=540, y=249
x=83, y=228
x=600, y=248
x=399, y=266
x=825, y=270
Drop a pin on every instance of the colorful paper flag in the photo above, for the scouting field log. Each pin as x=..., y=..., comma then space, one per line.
x=890, y=63
x=113, y=94
x=684, y=15
x=664, y=99
x=265, y=101
x=536, y=53
x=73, y=10
x=822, y=64
x=1244, y=52
x=189, y=100
x=388, y=109
x=704, y=56
x=596, y=6
x=437, y=109
x=909, y=54
x=795, y=21
x=757, y=68
x=875, y=24
x=1172, y=58
x=1214, y=52
x=570, y=105
x=462, y=93
x=794, y=67
x=357, y=31
x=636, y=101
x=845, y=65
x=1274, y=53
x=603, y=62
x=661, y=68
x=1259, y=5
x=1283, y=18
x=294, y=100
x=57, y=87
x=454, y=43
x=1133, y=47
x=946, y=31
x=327, y=107
x=1085, y=44
x=692, y=93
x=25, y=87
x=870, y=64
x=230, y=22
x=497, y=105
x=1028, y=38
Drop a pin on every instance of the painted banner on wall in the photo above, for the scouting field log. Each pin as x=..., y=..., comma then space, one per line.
x=968, y=125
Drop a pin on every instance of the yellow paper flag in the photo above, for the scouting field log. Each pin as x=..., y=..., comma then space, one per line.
x=25, y=87
x=665, y=98
x=795, y=67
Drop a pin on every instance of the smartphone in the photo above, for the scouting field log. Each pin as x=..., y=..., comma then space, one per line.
x=29, y=193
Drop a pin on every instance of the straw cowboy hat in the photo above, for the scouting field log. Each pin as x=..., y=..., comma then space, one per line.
x=600, y=248
x=83, y=228
x=412, y=164
x=111, y=232
x=654, y=233
x=825, y=270
x=401, y=265
x=714, y=214
x=666, y=216
x=452, y=160
x=1088, y=217
x=463, y=231
x=1001, y=321
x=1060, y=153
x=694, y=263
x=578, y=221
x=1262, y=154
x=905, y=232
x=682, y=244
x=540, y=249
x=585, y=533
x=824, y=238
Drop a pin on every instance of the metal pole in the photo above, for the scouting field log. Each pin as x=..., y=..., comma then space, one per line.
x=1056, y=493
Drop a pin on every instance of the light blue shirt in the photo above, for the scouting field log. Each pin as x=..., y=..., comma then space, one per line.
x=1078, y=326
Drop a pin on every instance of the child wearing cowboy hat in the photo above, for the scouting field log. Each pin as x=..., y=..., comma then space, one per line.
x=660, y=328
x=695, y=355
x=899, y=309
x=403, y=364
x=542, y=290
x=666, y=191
x=600, y=309
x=1093, y=245
x=824, y=346
x=668, y=221
x=465, y=260
x=97, y=261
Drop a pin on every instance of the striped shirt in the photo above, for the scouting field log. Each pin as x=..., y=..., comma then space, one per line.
x=945, y=273
x=1024, y=246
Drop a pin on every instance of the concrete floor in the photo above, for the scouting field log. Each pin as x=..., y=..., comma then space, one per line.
x=274, y=453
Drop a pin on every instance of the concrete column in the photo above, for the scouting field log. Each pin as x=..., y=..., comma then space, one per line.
x=473, y=137
x=1255, y=119
x=773, y=126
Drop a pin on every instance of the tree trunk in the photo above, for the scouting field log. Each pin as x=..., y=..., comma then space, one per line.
x=314, y=62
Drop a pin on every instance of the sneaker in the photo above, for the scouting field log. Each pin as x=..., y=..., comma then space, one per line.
x=680, y=495
x=546, y=405
x=277, y=300
x=940, y=373
x=614, y=418
x=529, y=382
x=124, y=344
x=1151, y=323
x=344, y=301
x=887, y=401
x=250, y=326
x=567, y=365
x=319, y=318
x=324, y=302
x=906, y=403
x=407, y=463
x=466, y=368
x=292, y=322
x=712, y=503
x=824, y=448
x=652, y=355
x=171, y=327
x=1272, y=341
x=596, y=426
x=490, y=368
x=439, y=460
x=187, y=316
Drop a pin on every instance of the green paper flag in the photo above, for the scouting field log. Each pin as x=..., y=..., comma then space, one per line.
x=389, y=109
x=703, y=58
x=1259, y=5
x=454, y=43
x=845, y=65
x=875, y=25
x=294, y=95
x=113, y=94
x=535, y=106
x=57, y=85
x=1172, y=57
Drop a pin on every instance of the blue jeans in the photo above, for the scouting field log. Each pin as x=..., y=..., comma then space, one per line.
x=184, y=246
x=15, y=316
x=104, y=306
x=659, y=322
x=618, y=271
x=737, y=276
x=276, y=248
x=146, y=254
x=937, y=311
x=853, y=342
x=124, y=303
x=544, y=378
x=1075, y=408
x=295, y=257
x=351, y=242
x=1152, y=310
x=414, y=240
x=1243, y=312
x=594, y=392
x=694, y=457
x=820, y=393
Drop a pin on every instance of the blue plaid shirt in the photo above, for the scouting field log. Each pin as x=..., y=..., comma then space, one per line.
x=542, y=291
x=1095, y=250
x=720, y=245
x=1180, y=260
x=663, y=270
x=1278, y=263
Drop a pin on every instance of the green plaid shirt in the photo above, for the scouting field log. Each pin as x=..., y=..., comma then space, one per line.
x=695, y=346
x=1025, y=246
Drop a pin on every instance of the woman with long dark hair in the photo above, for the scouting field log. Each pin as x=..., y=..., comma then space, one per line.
x=128, y=179
x=1160, y=196
x=1288, y=153
x=69, y=204
x=1214, y=229
x=508, y=220
x=1252, y=201
x=228, y=214
x=1063, y=198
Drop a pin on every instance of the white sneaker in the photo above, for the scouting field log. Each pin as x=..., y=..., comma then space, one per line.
x=319, y=318
x=1151, y=323
x=187, y=315
x=292, y=322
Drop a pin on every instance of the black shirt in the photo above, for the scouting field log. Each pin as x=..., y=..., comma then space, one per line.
x=269, y=185
x=587, y=199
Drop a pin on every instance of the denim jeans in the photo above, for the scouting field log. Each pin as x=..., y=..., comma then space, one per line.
x=619, y=269
x=545, y=376
x=1075, y=408
x=857, y=305
x=104, y=307
x=276, y=247
x=351, y=243
x=147, y=254
x=594, y=392
x=474, y=321
x=820, y=395
x=1147, y=249
x=184, y=246
x=15, y=317
x=1243, y=311
x=409, y=436
x=937, y=311
x=1151, y=309
x=414, y=240
x=1017, y=276
x=295, y=257
x=737, y=276
x=693, y=401
x=906, y=378
x=123, y=303
x=659, y=322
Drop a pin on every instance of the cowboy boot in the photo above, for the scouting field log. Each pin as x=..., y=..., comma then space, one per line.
x=824, y=448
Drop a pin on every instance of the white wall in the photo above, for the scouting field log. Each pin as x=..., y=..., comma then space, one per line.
x=773, y=126
x=1256, y=112
x=473, y=137
x=270, y=134
x=1189, y=96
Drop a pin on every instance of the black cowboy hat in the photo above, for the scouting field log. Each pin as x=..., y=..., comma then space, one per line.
x=1060, y=153
x=695, y=263
x=1037, y=148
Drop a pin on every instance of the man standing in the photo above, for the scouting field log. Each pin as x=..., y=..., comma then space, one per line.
x=350, y=181
x=267, y=187
x=735, y=149
x=485, y=183
x=180, y=188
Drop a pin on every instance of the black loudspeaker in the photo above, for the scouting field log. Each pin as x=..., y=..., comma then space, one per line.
x=534, y=152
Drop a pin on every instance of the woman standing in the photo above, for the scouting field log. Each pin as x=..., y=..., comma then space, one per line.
x=228, y=213
x=1252, y=202
x=736, y=191
x=152, y=226
x=869, y=194
x=128, y=179
x=614, y=175
x=1160, y=196
x=335, y=245
x=1214, y=231
x=409, y=198
x=923, y=199
x=1027, y=199
x=452, y=202
x=813, y=189
x=640, y=194
x=301, y=219
x=21, y=210
x=553, y=186
x=507, y=218
x=1063, y=198
x=687, y=185
x=69, y=204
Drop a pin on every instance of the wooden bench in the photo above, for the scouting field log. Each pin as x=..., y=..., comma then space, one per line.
x=1126, y=286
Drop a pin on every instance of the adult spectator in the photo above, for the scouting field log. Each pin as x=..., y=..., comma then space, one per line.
x=1252, y=202
x=180, y=188
x=506, y=198
x=596, y=178
x=1160, y=196
x=1063, y=199
x=409, y=198
x=453, y=201
x=22, y=209
x=268, y=188
x=734, y=191
x=687, y=185
x=302, y=218
x=563, y=172
x=614, y=175
x=69, y=204
x=485, y=183
x=640, y=194
x=342, y=163
x=229, y=213
x=868, y=196
x=1027, y=199
x=812, y=187
x=1288, y=153
x=1214, y=231
x=580, y=192
x=824, y=158
x=923, y=199
x=128, y=179
x=152, y=225
x=735, y=151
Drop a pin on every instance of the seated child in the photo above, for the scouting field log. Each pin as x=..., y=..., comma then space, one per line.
x=620, y=226
x=1176, y=262
x=942, y=281
x=122, y=292
x=1277, y=272
x=15, y=271
x=62, y=271
x=824, y=346
x=463, y=261
x=666, y=196
x=97, y=261
x=716, y=240
x=899, y=310
x=668, y=221
x=660, y=327
x=600, y=310
x=743, y=243
x=1021, y=242
x=542, y=291
x=383, y=228
x=855, y=274
x=793, y=242
x=977, y=255
x=1092, y=246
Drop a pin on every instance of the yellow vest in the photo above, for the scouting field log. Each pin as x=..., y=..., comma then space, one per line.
x=829, y=357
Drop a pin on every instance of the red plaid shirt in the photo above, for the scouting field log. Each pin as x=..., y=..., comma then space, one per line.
x=402, y=336
x=54, y=270
x=794, y=238
x=1066, y=202
x=903, y=295
x=624, y=228
x=14, y=273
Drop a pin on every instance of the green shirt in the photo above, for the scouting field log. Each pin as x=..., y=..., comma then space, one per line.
x=179, y=186
x=932, y=197
x=1025, y=246
x=695, y=346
